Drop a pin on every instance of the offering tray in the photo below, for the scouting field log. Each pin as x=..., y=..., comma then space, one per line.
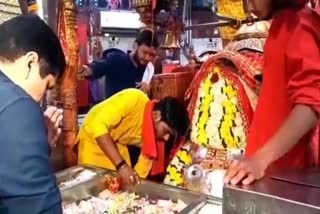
x=67, y=178
x=146, y=189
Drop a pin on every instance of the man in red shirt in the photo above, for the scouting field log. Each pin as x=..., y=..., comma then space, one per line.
x=289, y=105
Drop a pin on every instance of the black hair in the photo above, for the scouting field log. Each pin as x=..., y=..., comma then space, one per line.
x=26, y=33
x=174, y=114
x=147, y=37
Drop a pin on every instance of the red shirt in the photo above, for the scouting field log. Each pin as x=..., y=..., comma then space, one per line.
x=291, y=75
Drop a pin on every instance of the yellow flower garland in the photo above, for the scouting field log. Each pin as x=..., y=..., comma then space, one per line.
x=218, y=110
x=230, y=109
x=174, y=173
x=204, y=112
x=216, y=123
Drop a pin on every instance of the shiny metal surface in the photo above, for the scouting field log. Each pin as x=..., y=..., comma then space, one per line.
x=307, y=177
x=146, y=188
x=66, y=174
x=204, y=203
x=271, y=197
x=72, y=172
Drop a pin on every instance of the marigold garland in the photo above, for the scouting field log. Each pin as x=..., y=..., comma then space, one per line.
x=174, y=173
x=217, y=120
x=216, y=123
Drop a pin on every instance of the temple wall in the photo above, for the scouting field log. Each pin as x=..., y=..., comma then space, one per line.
x=9, y=9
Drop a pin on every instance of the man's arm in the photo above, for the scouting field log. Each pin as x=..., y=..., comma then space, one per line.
x=98, y=68
x=300, y=121
x=27, y=182
x=109, y=148
x=303, y=71
x=304, y=92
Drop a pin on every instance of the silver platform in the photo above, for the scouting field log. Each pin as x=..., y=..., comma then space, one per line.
x=285, y=193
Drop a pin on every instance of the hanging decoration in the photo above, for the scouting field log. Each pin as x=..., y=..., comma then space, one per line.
x=32, y=6
x=145, y=9
x=67, y=33
x=173, y=28
x=232, y=9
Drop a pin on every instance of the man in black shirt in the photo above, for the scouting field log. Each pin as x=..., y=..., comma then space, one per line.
x=122, y=70
x=31, y=60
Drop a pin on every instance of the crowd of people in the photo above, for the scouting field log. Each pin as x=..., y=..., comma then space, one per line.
x=285, y=118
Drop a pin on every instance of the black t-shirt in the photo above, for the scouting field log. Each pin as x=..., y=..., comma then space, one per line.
x=119, y=70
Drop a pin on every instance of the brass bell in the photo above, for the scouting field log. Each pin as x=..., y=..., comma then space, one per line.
x=171, y=41
x=140, y=5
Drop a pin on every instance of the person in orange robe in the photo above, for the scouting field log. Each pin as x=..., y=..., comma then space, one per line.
x=288, y=109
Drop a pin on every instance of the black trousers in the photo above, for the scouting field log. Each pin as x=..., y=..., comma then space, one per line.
x=134, y=152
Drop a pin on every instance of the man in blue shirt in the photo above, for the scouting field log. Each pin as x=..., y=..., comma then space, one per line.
x=31, y=60
x=124, y=71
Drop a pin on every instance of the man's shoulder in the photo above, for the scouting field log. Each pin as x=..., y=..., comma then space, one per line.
x=116, y=62
x=117, y=56
x=10, y=94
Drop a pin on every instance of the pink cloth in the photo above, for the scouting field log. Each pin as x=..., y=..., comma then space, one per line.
x=317, y=8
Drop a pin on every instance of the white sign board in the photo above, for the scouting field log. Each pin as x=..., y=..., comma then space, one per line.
x=120, y=19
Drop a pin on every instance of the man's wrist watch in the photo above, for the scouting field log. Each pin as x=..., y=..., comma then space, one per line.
x=121, y=165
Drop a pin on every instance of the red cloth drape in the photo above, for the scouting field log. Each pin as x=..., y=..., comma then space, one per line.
x=83, y=85
x=150, y=147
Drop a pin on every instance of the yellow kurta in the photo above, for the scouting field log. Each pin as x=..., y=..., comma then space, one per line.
x=121, y=116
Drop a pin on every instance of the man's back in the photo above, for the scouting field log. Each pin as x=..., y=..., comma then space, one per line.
x=121, y=116
x=27, y=182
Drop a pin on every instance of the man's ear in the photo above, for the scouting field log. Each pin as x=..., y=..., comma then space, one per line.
x=135, y=46
x=156, y=116
x=31, y=59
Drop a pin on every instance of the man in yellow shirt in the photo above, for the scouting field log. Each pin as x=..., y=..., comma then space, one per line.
x=130, y=118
